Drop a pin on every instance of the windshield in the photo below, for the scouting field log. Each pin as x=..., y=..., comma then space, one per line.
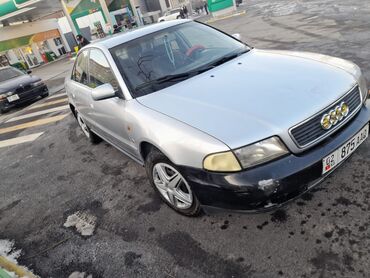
x=9, y=73
x=163, y=58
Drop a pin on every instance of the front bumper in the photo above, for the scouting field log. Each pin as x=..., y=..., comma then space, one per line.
x=24, y=97
x=273, y=184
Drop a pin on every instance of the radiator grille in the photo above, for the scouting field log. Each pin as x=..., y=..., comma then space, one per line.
x=311, y=131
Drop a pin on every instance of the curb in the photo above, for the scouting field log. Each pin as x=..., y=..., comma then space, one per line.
x=225, y=17
x=17, y=269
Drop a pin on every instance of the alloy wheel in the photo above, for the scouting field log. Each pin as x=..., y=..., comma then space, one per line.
x=172, y=186
x=83, y=126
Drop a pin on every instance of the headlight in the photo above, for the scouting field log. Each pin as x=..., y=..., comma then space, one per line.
x=363, y=88
x=221, y=162
x=261, y=152
x=37, y=83
x=5, y=95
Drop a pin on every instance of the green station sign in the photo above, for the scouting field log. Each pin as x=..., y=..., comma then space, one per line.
x=217, y=5
x=10, y=6
x=20, y=2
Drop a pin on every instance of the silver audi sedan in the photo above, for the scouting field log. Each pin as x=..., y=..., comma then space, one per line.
x=215, y=122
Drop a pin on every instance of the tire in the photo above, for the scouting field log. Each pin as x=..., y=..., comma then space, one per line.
x=44, y=95
x=190, y=205
x=4, y=110
x=93, y=138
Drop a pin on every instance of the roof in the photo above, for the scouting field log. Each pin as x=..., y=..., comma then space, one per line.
x=120, y=38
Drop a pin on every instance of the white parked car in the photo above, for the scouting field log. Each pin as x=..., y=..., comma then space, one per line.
x=170, y=15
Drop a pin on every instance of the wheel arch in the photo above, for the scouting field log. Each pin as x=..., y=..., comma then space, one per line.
x=146, y=146
x=73, y=109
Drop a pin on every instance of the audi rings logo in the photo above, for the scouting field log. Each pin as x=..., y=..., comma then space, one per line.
x=334, y=116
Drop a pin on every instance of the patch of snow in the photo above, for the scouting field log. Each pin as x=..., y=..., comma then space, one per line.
x=7, y=250
x=84, y=222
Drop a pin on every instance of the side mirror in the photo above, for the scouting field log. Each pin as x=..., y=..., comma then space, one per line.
x=237, y=36
x=29, y=71
x=103, y=92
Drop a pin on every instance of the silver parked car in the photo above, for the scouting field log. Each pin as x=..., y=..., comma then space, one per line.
x=216, y=122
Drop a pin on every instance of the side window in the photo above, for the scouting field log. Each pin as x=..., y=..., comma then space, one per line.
x=100, y=71
x=79, y=73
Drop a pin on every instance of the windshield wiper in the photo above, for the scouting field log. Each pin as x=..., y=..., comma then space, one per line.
x=171, y=78
x=181, y=76
x=227, y=58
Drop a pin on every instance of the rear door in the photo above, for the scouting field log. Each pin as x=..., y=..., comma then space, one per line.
x=109, y=116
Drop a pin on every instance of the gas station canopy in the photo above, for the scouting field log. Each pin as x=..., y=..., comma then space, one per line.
x=34, y=32
x=12, y=11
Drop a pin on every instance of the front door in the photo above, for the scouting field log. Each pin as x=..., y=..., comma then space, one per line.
x=109, y=116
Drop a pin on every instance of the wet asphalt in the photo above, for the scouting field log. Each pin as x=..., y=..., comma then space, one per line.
x=323, y=234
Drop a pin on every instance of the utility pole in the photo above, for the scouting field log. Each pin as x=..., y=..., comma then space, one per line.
x=104, y=7
x=69, y=19
x=190, y=8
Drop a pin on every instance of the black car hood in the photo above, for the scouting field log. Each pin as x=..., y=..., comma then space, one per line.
x=12, y=84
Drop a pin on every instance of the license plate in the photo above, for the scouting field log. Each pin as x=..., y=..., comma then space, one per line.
x=13, y=98
x=344, y=151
